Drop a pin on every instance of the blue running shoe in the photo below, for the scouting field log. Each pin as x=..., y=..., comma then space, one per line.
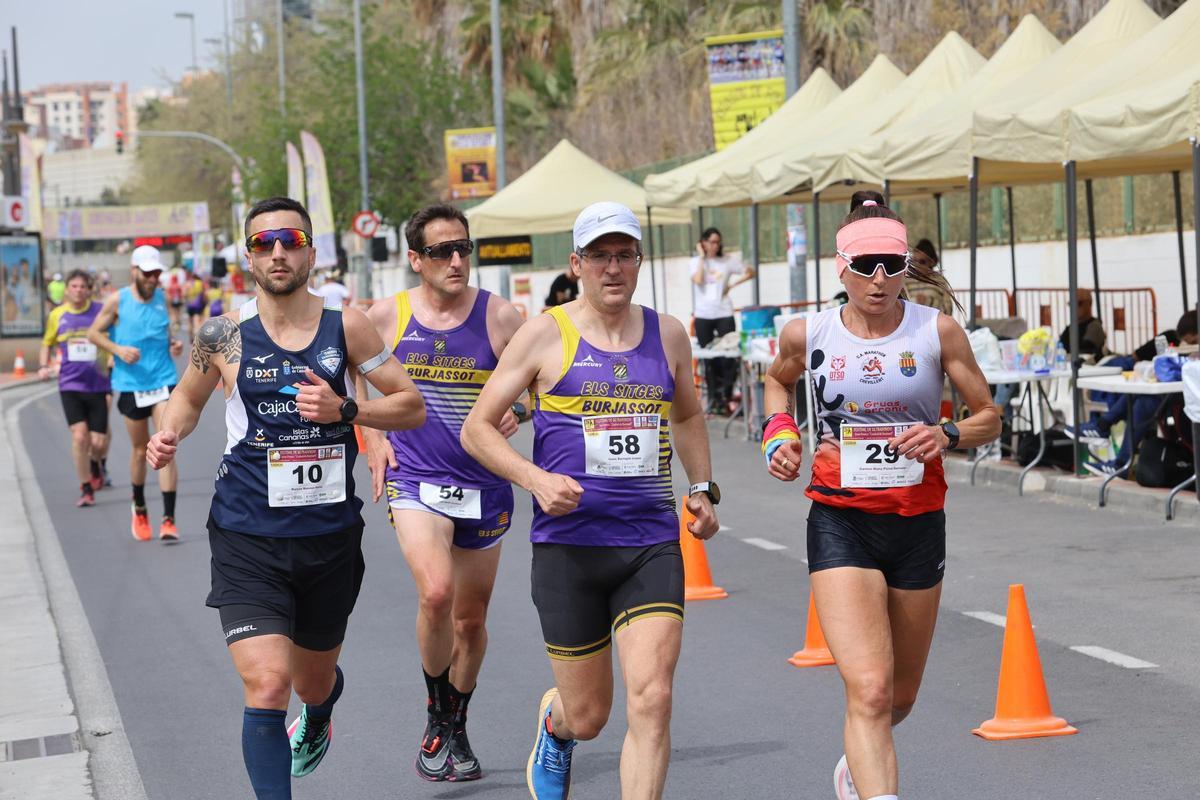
x=1088, y=432
x=310, y=740
x=1102, y=469
x=548, y=772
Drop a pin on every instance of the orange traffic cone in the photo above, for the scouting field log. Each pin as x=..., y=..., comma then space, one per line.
x=362, y=446
x=19, y=365
x=697, y=578
x=1022, y=704
x=816, y=652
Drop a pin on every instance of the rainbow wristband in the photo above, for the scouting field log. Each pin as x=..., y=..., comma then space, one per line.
x=781, y=428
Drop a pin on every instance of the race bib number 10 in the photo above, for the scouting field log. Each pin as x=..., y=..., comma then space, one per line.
x=621, y=445
x=868, y=462
x=306, y=476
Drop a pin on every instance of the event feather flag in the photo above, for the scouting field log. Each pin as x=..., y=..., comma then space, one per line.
x=320, y=206
x=31, y=184
x=295, y=175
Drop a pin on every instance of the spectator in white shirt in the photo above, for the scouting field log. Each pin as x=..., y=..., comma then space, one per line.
x=713, y=274
x=334, y=289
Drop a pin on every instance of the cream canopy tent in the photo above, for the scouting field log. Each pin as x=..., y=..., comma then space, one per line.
x=807, y=163
x=550, y=195
x=704, y=182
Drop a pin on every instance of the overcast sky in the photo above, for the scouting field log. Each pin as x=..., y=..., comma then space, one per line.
x=136, y=41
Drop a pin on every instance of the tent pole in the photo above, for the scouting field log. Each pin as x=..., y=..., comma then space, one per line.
x=1012, y=250
x=817, y=243
x=1091, y=215
x=700, y=210
x=1179, y=234
x=653, y=284
x=887, y=193
x=1196, y=229
x=937, y=204
x=973, y=228
x=662, y=259
x=754, y=249
x=1072, y=289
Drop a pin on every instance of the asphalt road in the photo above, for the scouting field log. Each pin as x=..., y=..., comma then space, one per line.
x=746, y=723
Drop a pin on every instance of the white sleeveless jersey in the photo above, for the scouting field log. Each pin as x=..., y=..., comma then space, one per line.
x=858, y=381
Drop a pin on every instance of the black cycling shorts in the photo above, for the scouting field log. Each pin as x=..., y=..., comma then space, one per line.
x=91, y=407
x=584, y=594
x=909, y=551
x=127, y=405
x=303, y=587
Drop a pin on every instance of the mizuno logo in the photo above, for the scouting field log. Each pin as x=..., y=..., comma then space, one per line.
x=262, y=359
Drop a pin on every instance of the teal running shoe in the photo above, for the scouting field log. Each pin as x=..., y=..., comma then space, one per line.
x=548, y=772
x=310, y=740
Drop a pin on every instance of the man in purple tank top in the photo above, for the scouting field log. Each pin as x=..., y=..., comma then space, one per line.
x=449, y=512
x=609, y=380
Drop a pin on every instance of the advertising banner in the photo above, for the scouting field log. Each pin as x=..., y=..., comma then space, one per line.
x=505, y=251
x=320, y=205
x=21, y=293
x=295, y=175
x=471, y=162
x=31, y=184
x=746, y=81
x=125, y=222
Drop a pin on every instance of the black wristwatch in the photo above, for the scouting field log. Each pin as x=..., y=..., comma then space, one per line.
x=768, y=419
x=951, y=431
x=349, y=409
x=710, y=488
x=520, y=410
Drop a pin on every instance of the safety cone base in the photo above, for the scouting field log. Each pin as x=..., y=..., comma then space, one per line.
x=811, y=657
x=1004, y=729
x=704, y=593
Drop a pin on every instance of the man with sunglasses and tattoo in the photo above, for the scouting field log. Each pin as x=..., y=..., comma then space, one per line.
x=285, y=528
x=134, y=326
x=876, y=526
x=610, y=381
x=449, y=512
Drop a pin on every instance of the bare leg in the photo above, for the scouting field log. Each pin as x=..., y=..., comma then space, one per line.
x=139, y=437
x=585, y=692
x=425, y=543
x=649, y=650
x=474, y=577
x=168, y=476
x=80, y=451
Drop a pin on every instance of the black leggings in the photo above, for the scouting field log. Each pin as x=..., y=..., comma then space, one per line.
x=720, y=374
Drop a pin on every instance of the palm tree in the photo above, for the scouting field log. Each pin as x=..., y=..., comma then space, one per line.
x=837, y=34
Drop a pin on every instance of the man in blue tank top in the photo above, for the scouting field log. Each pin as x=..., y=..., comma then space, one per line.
x=285, y=528
x=610, y=380
x=449, y=512
x=134, y=326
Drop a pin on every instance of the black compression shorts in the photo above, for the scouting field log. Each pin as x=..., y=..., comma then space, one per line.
x=909, y=551
x=127, y=405
x=303, y=587
x=91, y=407
x=583, y=594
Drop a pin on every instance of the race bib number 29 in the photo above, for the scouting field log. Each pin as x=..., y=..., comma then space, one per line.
x=621, y=445
x=869, y=463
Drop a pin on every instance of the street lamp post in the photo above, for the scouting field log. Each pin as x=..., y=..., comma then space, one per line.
x=191, y=18
x=215, y=42
x=282, y=80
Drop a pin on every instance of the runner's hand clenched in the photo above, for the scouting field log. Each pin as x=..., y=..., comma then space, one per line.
x=785, y=461
x=556, y=494
x=924, y=443
x=705, y=525
x=317, y=401
x=509, y=424
x=160, y=450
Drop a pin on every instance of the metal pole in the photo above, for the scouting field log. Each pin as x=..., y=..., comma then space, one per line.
x=1091, y=219
x=1196, y=230
x=754, y=249
x=279, y=36
x=663, y=260
x=1012, y=248
x=887, y=192
x=973, y=227
x=362, y=107
x=817, y=243
x=203, y=137
x=1179, y=234
x=791, y=46
x=653, y=282
x=195, y=63
x=1072, y=288
x=937, y=204
x=701, y=212
x=228, y=57
x=498, y=94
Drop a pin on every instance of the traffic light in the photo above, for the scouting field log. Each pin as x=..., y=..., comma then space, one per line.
x=120, y=142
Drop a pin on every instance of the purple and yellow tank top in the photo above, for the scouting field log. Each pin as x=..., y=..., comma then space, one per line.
x=606, y=423
x=84, y=367
x=449, y=367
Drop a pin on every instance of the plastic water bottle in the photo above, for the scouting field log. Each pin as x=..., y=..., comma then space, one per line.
x=1060, y=356
x=1160, y=344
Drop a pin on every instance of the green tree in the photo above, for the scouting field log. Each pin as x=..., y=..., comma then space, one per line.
x=837, y=34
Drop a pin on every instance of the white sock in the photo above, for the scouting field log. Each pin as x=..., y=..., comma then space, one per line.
x=884, y=797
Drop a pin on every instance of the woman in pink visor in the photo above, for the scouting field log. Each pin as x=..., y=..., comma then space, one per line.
x=876, y=529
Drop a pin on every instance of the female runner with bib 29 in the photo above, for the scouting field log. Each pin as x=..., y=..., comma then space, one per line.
x=876, y=528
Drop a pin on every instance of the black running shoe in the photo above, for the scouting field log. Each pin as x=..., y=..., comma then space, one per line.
x=464, y=765
x=433, y=759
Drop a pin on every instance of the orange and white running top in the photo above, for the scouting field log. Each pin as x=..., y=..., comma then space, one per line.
x=890, y=381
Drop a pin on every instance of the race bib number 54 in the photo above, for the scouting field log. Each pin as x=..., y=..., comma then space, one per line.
x=306, y=476
x=621, y=445
x=868, y=462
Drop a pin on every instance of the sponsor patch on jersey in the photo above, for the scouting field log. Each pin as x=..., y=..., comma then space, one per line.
x=291, y=389
x=871, y=365
x=330, y=359
x=837, y=368
x=620, y=371
x=439, y=344
x=852, y=406
x=588, y=361
x=908, y=364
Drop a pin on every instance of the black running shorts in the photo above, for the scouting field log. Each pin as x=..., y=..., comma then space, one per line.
x=91, y=407
x=127, y=405
x=303, y=587
x=584, y=594
x=909, y=551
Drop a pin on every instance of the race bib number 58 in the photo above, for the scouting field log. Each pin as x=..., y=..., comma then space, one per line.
x=868, y=462
x=621, y=445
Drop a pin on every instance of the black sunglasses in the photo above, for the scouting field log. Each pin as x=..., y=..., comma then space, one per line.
x=867, y=265
x=443, y=251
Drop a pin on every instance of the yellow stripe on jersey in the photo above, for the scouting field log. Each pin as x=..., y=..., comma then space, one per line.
x=403, y=315
x=50, y=337
x=570, y=338
x=423, y=372
x=603, y=405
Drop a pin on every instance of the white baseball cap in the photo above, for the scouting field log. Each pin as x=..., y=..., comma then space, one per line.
x=147, y=259
x=605, y=217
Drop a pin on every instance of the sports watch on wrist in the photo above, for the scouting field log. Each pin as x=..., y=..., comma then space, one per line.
x=520, y=410
x=710, y=488
x=349, y=409
x=951, y=431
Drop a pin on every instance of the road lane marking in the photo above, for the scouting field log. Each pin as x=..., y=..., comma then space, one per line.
x=765, y=544
x=1113, y=657
x=987, y=616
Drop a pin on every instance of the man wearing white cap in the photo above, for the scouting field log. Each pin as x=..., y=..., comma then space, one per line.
x=610, y=380
x=135, y=327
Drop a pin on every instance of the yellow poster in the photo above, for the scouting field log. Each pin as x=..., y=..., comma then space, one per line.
x=746, y=81
x=471, y=161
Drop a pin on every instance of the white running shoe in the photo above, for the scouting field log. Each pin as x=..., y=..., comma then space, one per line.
x=843, y=784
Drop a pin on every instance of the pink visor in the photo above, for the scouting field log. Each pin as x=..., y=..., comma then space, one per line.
x=872, y=236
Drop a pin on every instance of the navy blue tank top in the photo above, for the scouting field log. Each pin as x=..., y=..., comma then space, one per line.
x=281, y=475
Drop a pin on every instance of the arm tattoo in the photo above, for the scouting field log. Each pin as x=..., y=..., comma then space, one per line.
x=220, y=335
x=791, y=401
